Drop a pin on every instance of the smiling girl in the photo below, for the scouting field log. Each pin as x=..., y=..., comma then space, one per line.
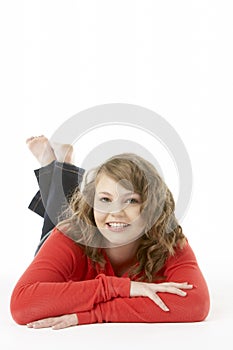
x=117, y=254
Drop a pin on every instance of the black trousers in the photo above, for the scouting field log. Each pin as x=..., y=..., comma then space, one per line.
x=57, y=182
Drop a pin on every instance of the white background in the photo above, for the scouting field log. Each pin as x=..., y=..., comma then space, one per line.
x=173, y=57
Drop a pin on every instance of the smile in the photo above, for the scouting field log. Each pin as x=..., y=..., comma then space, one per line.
x=117, y=226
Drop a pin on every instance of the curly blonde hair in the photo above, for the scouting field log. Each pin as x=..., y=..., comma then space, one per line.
x=162, y=234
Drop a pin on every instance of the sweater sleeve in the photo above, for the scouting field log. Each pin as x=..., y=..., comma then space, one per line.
x=47, y=288
x=193, y=307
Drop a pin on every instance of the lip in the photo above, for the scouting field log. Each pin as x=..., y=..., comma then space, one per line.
x=116, y=229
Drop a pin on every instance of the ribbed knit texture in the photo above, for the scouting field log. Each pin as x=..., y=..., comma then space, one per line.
x=61, y=280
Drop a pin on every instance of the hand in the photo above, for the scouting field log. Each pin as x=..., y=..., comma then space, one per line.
x=150, y=289
x=55, y=322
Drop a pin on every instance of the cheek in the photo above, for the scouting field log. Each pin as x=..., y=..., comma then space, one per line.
x=136, y=217
x=133, y=212
x=99, y=217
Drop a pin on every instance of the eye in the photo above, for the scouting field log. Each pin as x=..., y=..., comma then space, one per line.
x=132, y=200
x=104, y=200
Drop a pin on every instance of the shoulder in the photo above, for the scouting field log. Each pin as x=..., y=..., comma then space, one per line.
x=59, y=243
x=183, y=266
x=184, y=254
x=60, y=234
x=63, y=254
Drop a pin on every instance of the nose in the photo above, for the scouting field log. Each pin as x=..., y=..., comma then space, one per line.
x=116, y=216
x=116, y=209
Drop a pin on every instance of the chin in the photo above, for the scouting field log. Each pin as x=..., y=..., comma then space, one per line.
x=120, y=242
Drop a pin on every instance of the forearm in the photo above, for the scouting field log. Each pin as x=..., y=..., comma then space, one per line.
x=192, y=308
x=40, y=300
x=142, y=309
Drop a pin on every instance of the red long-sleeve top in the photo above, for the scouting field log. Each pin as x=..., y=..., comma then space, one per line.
x=62, y=280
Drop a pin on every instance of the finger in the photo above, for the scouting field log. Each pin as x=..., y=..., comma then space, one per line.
x=177, y=291
x=171, y=290
x=67, y=321
x=170, y=287
x=158, y=301
x=62, y=325
x=55, y=322
x=44, y=323
x=183, y=285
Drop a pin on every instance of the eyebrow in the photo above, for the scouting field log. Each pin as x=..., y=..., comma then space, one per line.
x=125, y=194
x=105, y=193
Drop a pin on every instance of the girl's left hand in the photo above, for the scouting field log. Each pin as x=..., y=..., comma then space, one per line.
x=59, y=322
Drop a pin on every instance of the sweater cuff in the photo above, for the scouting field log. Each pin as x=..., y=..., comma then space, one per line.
x=113, y=287
x=89, y=317
x=120, y=287
x=117, y=287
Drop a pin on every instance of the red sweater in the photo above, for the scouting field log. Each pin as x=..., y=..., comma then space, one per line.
x=61, y=280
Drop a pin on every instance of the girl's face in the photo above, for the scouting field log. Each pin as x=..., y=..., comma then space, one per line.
x=117, y=212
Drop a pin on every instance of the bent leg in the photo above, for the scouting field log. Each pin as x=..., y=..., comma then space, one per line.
x=43, y=152
x=57, y=178
x=39, y=201
x=65, y=178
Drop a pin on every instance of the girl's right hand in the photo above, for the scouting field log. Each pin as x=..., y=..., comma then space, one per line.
x=150, y=290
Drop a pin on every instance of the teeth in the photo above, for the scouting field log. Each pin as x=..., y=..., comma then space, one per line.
x=117, y=224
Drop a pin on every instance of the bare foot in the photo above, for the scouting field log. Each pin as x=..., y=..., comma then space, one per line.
x=63, y=152
x=41, y=149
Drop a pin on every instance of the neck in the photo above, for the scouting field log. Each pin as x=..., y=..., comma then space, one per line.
x=123, y=255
